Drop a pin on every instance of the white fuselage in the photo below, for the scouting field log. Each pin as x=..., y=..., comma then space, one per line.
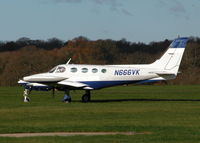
x=96, y=76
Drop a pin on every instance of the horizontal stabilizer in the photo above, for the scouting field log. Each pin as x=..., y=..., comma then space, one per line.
x=162, y=73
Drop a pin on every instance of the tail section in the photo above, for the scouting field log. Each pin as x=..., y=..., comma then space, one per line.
x=171, y=59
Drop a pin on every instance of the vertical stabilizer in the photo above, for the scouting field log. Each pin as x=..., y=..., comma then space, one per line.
x=171, y=59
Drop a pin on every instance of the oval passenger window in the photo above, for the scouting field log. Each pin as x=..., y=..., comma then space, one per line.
x=84, y=70
x=103, y=70
x=74, y=70
x=94, y=70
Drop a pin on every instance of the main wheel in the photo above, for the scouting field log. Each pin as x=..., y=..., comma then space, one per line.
x=67, y=99
x=86, y=98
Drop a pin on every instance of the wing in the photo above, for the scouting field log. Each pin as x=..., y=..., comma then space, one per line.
x=74, y=84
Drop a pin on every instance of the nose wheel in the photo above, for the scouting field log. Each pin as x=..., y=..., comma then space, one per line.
x=26, y=94
x=86, y=97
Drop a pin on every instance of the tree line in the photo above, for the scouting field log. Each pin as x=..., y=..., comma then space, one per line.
x=25, y=56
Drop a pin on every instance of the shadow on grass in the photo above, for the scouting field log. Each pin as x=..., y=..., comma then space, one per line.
x=147, y=100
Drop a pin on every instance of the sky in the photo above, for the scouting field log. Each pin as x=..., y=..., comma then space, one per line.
x=134, y=20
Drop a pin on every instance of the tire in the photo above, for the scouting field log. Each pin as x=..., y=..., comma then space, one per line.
x=85, y=98
x=67, y=99
x=26, y=99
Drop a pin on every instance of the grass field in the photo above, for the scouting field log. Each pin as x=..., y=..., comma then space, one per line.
x=170, y=113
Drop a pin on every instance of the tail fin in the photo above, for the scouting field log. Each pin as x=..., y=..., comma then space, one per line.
x=171, y=59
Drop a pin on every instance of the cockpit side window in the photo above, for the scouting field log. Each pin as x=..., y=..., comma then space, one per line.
x=52, y=70
x=60, y=69
x=74, y=69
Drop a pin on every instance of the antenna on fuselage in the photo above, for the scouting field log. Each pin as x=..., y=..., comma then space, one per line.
x=68, y=61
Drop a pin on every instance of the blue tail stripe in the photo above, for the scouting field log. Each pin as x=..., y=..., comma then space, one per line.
x=179, y=43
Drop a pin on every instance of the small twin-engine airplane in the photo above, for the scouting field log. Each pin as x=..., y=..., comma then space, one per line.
x=68, y=77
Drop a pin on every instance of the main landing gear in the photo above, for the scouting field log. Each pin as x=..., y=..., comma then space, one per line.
x=67, y=97
x=85, y=98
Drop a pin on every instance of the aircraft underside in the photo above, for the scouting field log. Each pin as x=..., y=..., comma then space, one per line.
x=86, y=97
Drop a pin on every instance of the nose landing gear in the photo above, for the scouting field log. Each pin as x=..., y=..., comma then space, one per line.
x=26, y=93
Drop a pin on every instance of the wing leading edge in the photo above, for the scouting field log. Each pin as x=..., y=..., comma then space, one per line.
x=74, y=84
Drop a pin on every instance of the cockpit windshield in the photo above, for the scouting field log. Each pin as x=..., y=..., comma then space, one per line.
x=52, y=70
x=60, y=69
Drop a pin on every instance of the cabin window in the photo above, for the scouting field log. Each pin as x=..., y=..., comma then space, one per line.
x=60, y=70
x=84, y=70
x=74, y=70
x=94, y=70
x=103, y=70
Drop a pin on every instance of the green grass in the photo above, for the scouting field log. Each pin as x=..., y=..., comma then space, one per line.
x=171, y=113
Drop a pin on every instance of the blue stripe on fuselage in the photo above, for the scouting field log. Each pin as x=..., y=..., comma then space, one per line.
x=103, y=84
